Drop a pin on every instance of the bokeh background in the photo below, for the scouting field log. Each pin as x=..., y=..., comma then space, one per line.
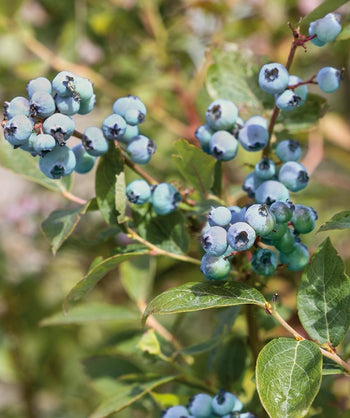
x=158, y=50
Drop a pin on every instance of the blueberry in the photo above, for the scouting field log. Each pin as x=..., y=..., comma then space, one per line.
x=141, y=149
x=57, y=163
x=138, y=192
x=64, y=83
x=293, y=175
x=94, y=141
x=177, y=411
x=60, y=126
x=271, y=191
x=241, y=236
x=283, y=211
x=273, y=78
x=17, y=106
x=67, y=105
x=288, y=100
x=226, y=402
x=215, y=268
x=221, y=114
x=220, y=216
x=303, y=219
x=86, y=106
x=214, y=241
x=83, y=88
x=203, y=134
x=28, y=145
x=18, y=129
x=257, y=120
x=296, y=259
x=43, y=143
x=237, y=214
x=199, y=405
x=328, y=79
x=265, y=169
x=326, y=29
x=300, y=91
x=223, y=146
x=165, y=198
x=288, y=150
x=253, y=137
x=251, y=183
x=131, y=132
x=286, y=243
x=42, y=104
x=264, y=262
x=260, y=219
x=84, y=161
x=113, y=126
x=278, y=231
x=131, y=108
x=39, y=84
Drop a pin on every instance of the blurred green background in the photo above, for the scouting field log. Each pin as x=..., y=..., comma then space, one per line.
x=160, y=51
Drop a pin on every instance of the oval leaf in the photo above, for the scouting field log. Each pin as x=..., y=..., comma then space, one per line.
x=60, y=224
x=95, y=274
x=324, y=296
x=340, y=220
x=126, y=395
x=196, y=296
x=288, y=377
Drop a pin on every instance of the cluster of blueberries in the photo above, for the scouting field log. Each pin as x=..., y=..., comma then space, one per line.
x=42, y=124
x=223, y=404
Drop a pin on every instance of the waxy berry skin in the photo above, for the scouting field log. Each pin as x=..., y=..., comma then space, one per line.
x=326, y=29
x=223, y=146
x=58, y=163
x=329, y=79
x=18, y=129
x=215, y=268
x=271, y=191
x=165, y=198
x=241, y=236
x=264, y=262
x=214, y=241
x=293, y=175
x=138, y=192
x=273, y=78
x=221, y=114
x=141, y=149
x=288, y=150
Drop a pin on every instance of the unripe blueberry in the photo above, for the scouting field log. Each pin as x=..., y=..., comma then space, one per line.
x=283, y=211
x=223, y=146
x=260, y=219
x=43, y=143
x=84, y=161
x=220, y=216
x=264, y=262
x=225, y=402
x=138, y=192
x=328, y=79
x=278, y=231
x=131, y=108
x=288, y=100
x=165, y=198
x=293, y=175
x=326, y=29
x=271, y=191
x=18, y=129
x=68, y=105
x=86, y=106
x=273, y=78
x=214, y=241
x=113, y=127
x=288, y=150
x=177, y=411
x=203, y=134
x=60, y=126
x=141, y=149
x=42, y=104
x=199, y=405
x=251, y=183
x=303, y=219
x=215, y=268
x=286, y=243
x=57, y=163
x=221, y=114
x=241, y=236
x=253, y=137
x=94, y=141
x=296, y=259
x=17, y=106
x=39, y=84
x=265, y=169
x=300, y=91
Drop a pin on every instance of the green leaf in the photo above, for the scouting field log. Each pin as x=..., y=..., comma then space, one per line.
x=344, y=34
x=120, y=200
x=60, y=224
x=323, y=297
x=149, y=343
x=167, y=232
x=194, y=165
x=137, y=277
x=340, y=220
x=126, y=395
x=95, y=274
x=304, y=117
x=324, y=8
x=21, y=162
x=288, y=377
x=233, y=76
x=196, y=296
x=91, y=312
x=109, y=167
x=329, y=367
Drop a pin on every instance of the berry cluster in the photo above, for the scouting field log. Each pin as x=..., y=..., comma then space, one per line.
x=164, y=197
x=223, y=404
x=42, y=124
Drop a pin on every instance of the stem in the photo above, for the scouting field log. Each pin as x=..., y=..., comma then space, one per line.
x=137, y=169
x=253, y=331
x=70, y=196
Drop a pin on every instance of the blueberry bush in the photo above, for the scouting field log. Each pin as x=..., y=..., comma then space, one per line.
x=194, y=156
